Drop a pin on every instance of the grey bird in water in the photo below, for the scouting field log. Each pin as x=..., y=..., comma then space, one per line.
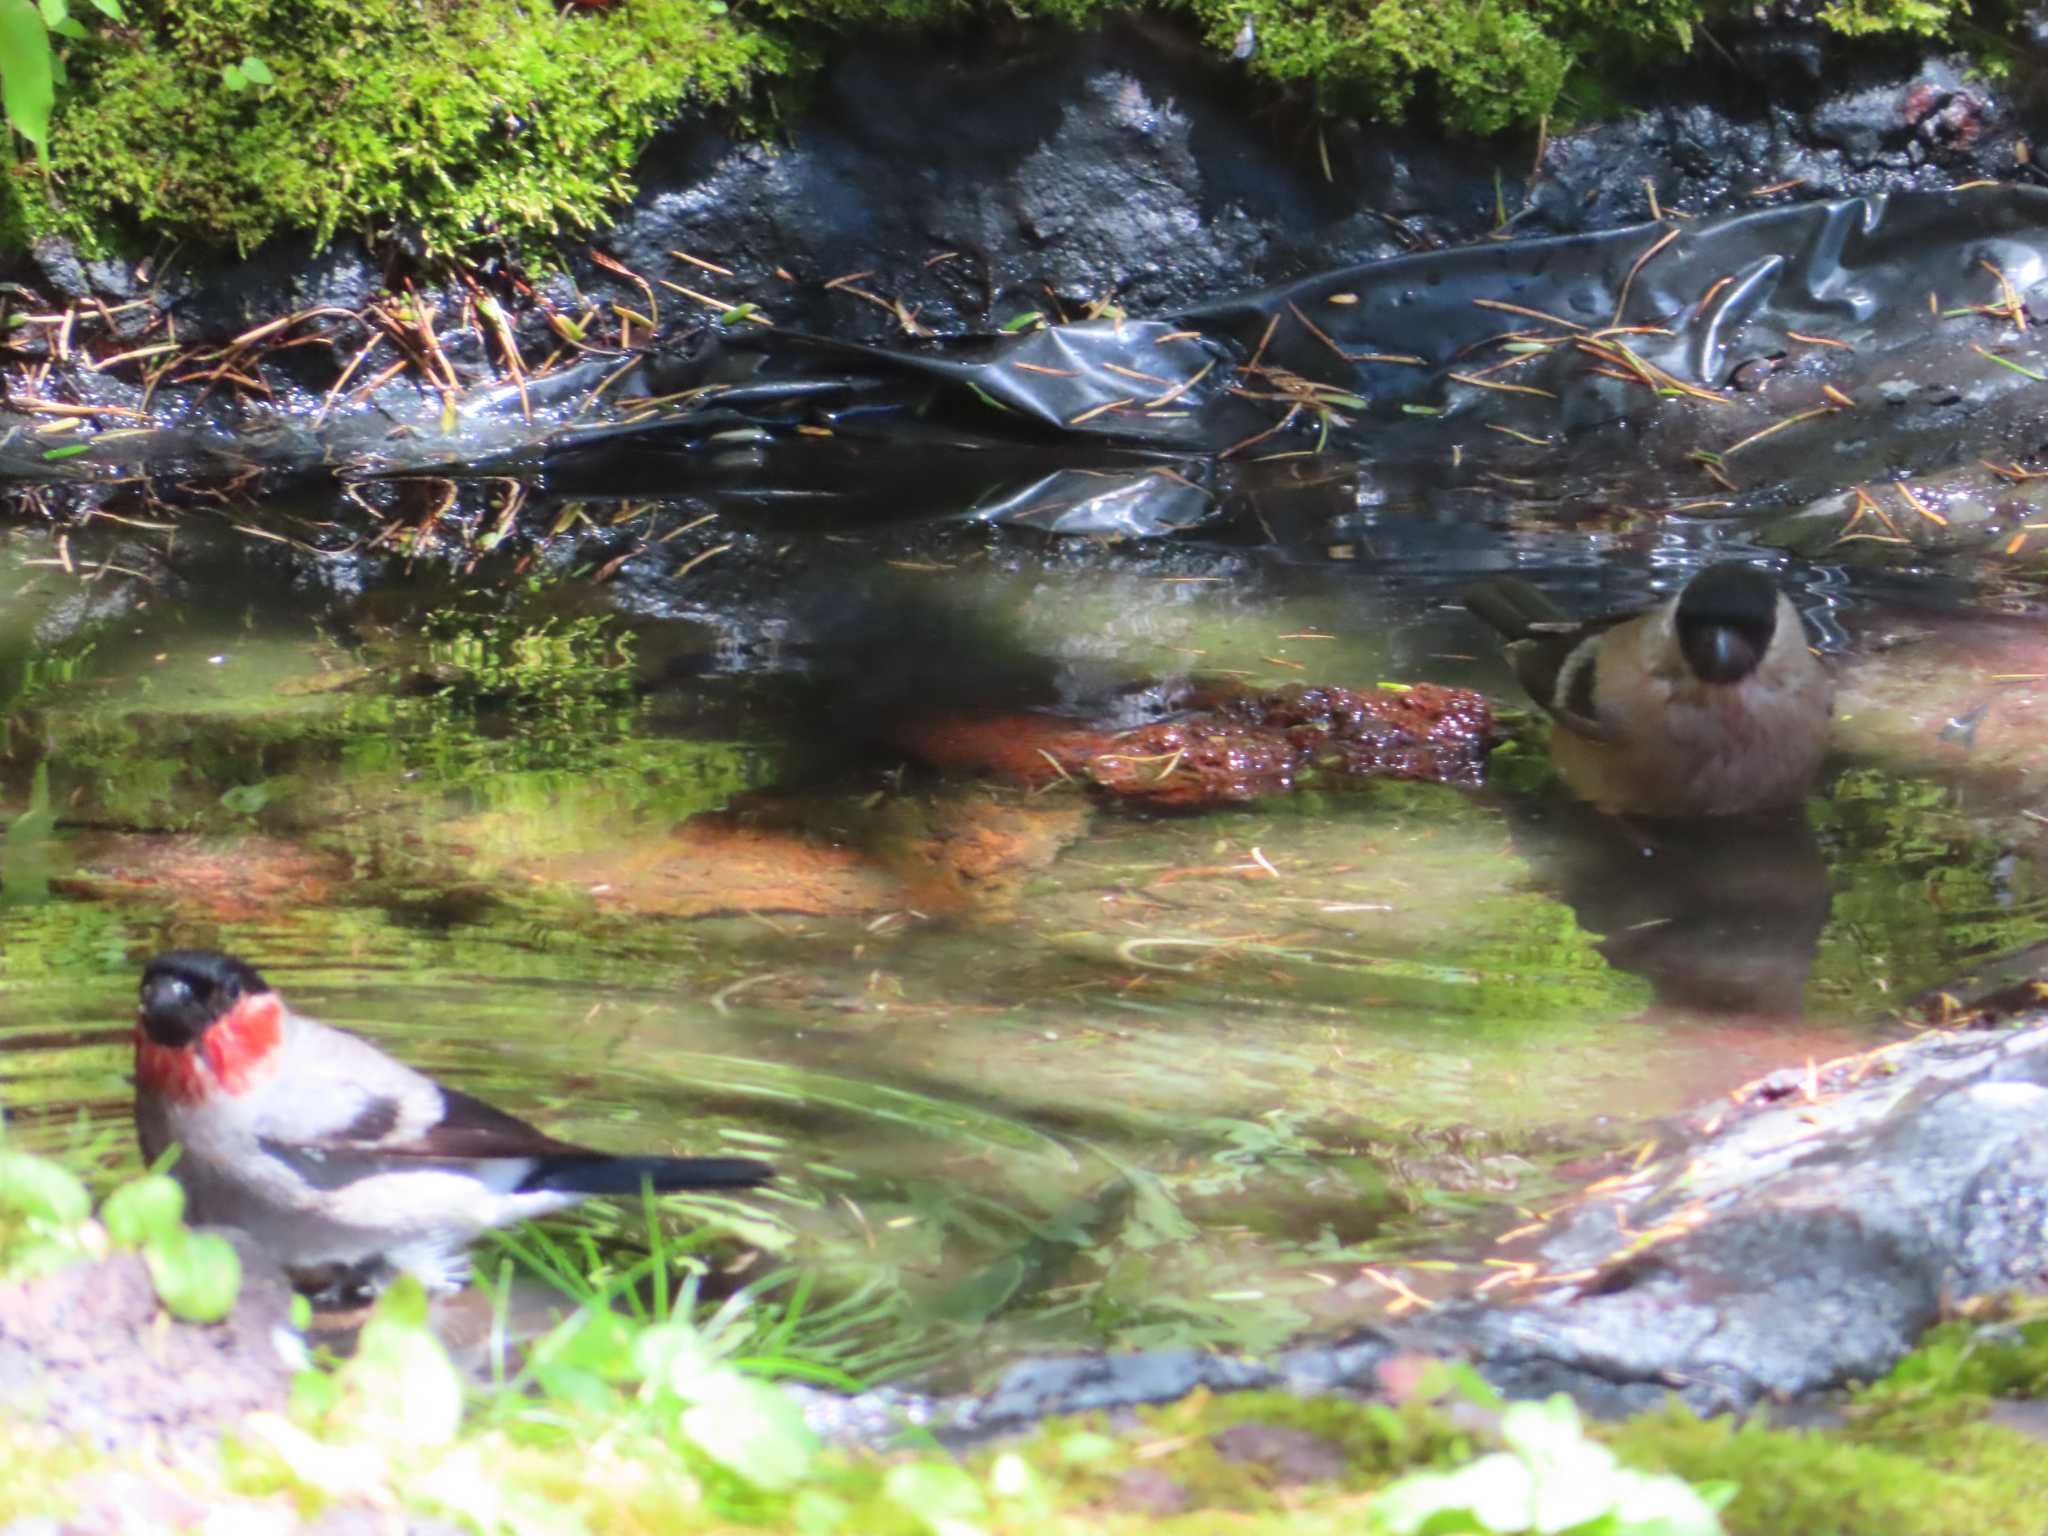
x=1709, y=704
x=336, y=1158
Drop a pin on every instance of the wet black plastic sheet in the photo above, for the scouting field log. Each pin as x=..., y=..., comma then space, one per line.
x=1755, y=361
x=1570, y=337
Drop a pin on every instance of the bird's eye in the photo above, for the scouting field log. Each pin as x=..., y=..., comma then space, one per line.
x=168, y=991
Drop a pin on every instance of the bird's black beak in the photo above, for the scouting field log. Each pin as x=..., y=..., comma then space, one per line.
x=1719, y=654
x=171, y=1012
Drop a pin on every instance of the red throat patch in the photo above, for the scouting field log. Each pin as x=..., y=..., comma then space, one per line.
x=226, y=1059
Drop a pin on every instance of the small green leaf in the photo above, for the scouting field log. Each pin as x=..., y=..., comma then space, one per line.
x=1715, y=1495
x=68, y=28
x=27, y=87
x=1028, y=318
x=1458, y=1376
x=815, y=1512
x=404, y=1304
x=245, y=799
x=402, y=1387
x=1086, y=1446
x=145, y=1209
x=672, y=1357
x=1013, y=1480
x=234, y=78
x=55, y=12
x=41, y=1190
x=594, y=1340
x=315, y=1394
x=936, y=1492
x=69, y=450
x=570, y=1386
x=750, y=1426
x=737, y=313
x=196, y=1274
x=257, y=71
x=111, y=9
x=27, y=1260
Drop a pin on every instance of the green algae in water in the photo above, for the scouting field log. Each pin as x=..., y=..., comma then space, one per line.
x=1922, y=890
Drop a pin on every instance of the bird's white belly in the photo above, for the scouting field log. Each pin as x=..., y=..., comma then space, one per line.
x=413, y=1216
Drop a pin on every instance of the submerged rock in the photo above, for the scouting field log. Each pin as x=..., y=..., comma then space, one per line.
x=1231, y=747
x=1797, y=1241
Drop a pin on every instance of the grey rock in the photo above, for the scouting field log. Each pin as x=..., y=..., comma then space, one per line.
x=88, y=1351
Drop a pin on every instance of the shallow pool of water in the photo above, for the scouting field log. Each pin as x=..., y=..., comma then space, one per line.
x=649, y=864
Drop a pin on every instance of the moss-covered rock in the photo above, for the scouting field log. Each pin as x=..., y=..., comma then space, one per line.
x=471, y=122
x=451, y=122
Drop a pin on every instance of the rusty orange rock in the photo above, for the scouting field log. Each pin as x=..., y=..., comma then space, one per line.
x=1230, y=747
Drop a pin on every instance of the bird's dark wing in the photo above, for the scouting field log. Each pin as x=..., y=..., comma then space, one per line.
x=1513, y=607
x=1563, y=689
x=1542, y=639
x=467, y=1128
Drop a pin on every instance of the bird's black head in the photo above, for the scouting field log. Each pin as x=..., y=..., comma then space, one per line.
x=1726, y=617
x=185, y=991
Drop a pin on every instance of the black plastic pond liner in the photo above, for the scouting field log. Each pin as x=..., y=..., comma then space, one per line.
x=1745, y=363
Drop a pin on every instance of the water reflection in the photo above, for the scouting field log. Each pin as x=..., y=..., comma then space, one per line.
x=1720, y=916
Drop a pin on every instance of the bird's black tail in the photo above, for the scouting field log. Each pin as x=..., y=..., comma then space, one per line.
x=1513, y=607
x=600, y=1175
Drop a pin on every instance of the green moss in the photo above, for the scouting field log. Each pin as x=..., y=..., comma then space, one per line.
x=1862, y=18
x=1975, y=1477
x=468, y=122
x=459, y=122
x=1959, y=1367
x=1914, y=1456
x=37, y=1472
x=1920, y=890
x=1492, y=64
x=1379, y=1442
x=573, y=1439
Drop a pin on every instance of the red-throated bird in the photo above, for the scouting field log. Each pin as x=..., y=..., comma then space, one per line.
x=338, y=1159
x=1709, y=704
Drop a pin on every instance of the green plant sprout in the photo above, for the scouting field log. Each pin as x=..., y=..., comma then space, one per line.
x=30, y=69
